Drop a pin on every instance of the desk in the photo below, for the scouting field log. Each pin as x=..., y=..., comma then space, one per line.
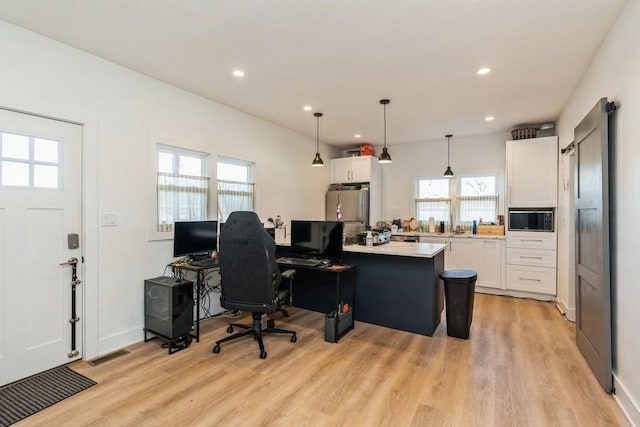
x=321, y=289
x=200, y=275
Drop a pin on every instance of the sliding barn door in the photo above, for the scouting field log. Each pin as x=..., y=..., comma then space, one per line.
x=593, y=288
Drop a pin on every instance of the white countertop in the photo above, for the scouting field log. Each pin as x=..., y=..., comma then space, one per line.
x=447, y=235
x=412, y=249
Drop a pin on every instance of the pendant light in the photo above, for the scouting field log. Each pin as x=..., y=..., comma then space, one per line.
x=317, y=161
x=448, y=173
x=384, y=157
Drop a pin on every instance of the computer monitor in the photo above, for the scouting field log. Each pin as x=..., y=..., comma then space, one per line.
x=195, y=237
x=317, y=239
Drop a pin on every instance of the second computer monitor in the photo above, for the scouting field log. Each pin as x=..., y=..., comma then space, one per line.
x=317, y=239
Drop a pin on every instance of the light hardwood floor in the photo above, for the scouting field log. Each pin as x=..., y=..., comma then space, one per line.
x=520, y=367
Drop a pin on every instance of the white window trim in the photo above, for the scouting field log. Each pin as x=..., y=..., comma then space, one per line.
x=238, y=160
x=455, y=184
x=152, y=178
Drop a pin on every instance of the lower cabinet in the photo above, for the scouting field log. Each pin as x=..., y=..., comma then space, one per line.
x=531, y=262
x=464, y=254
x=490, y=263
x=540, y=280
x=523, y=262
x=485, y=256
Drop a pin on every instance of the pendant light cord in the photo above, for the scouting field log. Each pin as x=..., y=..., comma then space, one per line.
x=385, y=124
x=384, y=157
x=448, y=151
x=317, y=160
x=317, y=116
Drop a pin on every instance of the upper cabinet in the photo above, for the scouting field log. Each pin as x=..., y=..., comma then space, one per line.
x=353, y=169
x=532, y=172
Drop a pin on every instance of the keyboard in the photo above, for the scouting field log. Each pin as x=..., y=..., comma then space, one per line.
x=205, y=263
x=303, y=262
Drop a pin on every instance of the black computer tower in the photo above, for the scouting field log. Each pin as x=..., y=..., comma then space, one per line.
x=168, y=306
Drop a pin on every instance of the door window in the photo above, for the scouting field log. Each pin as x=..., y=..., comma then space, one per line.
x=29, y=161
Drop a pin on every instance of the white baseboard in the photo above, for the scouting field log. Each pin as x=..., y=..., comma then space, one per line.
x=120, y=340
x=569, y=314
x=517, y=294
x=626, y=402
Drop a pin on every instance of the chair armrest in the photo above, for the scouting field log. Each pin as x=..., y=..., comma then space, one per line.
x=288, y=274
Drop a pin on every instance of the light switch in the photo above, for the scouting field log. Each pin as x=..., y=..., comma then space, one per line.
x=109, y=219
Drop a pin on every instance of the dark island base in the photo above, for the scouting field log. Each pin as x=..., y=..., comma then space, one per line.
x=399, y=292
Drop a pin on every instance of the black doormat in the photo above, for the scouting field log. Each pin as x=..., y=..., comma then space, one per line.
x=22, y=398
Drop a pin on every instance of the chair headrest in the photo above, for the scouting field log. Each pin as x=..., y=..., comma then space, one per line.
x=242, y=223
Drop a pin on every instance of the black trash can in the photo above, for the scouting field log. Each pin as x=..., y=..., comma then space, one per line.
x=459, y=289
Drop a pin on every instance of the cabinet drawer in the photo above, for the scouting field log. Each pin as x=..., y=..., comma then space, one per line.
x=533, y=257
x=541, y=280
x=532, y=240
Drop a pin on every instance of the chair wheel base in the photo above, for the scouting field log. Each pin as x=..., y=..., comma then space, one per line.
x=263, y=355
x=294, y=338
x=216, y=348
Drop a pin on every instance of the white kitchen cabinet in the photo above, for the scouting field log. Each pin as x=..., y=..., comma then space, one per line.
x=525, y=278
x=532, y=240
x=532, y=257
x=532, y=172
x=432, y=239
x=353, y=169
x=340, y=170
x=531, y=262
x=485, y=256
x=464, y=253
x=490, y=263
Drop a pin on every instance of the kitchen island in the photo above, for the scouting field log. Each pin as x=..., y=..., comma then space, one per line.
x=397, y=285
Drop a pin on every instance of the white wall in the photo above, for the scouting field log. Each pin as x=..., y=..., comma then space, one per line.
x=428, y=159
x=123, y=112
x=615, y=73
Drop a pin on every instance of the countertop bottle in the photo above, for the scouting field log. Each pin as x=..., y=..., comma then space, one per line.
x=369, y=239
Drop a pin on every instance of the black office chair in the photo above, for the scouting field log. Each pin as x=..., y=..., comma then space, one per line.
x=250, y=277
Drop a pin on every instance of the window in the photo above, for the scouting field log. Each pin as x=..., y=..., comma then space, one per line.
x=29, y=161
x=235, y=186
x=473, y=198
x=477, y=199
x=182, y=186
x=434, y=200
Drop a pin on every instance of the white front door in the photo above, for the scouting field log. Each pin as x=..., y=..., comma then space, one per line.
x=40, y=204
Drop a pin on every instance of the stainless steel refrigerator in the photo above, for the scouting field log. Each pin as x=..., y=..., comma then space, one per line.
x=350, y=206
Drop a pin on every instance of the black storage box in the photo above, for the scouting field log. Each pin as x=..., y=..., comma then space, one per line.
x=337, y=325
x=168, y=307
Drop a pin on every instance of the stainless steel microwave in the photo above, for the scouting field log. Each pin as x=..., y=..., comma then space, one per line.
x=531, y=219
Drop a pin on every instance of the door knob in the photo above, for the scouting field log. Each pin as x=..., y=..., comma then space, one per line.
x=71, y=261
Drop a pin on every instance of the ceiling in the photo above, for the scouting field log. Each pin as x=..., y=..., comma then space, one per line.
x=342, y=56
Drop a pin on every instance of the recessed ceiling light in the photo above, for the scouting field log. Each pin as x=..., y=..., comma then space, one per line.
x=489, y=118
x=357, y=135
x=238, y=73
x=307, y=108
x=483, y=71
